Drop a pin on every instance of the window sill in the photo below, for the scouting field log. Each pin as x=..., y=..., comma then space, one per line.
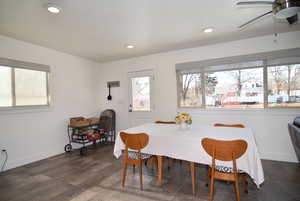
x=245, y=111
x=25, y=109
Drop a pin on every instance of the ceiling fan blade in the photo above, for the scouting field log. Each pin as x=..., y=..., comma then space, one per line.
x=254, y=19
x=293, y=19
x=242, y=3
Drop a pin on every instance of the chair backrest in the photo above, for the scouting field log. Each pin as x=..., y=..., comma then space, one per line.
x=165, y=122
x=107, y=120
x=229, y=125
x=108, y=113
x=224, y=150
x=135, y=141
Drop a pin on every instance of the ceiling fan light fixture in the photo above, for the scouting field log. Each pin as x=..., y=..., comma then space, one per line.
x=286, y=8
x=287, y=12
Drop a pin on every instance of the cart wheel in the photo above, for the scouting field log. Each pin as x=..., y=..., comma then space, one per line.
x=68, y=148
x=83, y=151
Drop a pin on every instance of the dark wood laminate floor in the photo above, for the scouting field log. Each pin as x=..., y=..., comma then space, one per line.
x=96, y=177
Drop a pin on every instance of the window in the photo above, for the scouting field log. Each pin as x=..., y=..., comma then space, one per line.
x=254, y=84
x=5, y=87
x=30, y=87
x=284, y=86
x=140, y=93
x=190, y=90
x=234, y=89
x=23, y=84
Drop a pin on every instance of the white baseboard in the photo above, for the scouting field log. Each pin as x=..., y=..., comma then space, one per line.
x=33, y=158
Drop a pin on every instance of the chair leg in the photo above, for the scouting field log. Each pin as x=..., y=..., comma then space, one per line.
x=160, y=161
x=124, y=174
x=170, y=163
x=154, y=162
x=245, y=178
x=208, y=175
x=133, y=168
x=193, y=175
x=212, y=188
x=141, y=176
x=237, y=189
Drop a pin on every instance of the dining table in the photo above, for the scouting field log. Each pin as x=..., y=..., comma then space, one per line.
x=170, y=140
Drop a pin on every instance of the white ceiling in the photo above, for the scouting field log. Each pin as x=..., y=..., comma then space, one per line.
x=99, y=29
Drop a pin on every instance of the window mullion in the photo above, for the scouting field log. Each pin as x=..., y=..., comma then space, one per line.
x=265, y=77
x=289, y=82
x=179, y=89
x=13, y=87
x=203, y=88
x=48, y=88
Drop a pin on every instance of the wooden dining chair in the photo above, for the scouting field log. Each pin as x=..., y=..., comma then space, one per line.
x=243, y=175
x=170, y=161
x=229, y=125
x=224, y=151
x=135, y=142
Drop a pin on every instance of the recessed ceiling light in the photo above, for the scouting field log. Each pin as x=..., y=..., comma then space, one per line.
x=208, y=30
x=52, y=8
x=128, y=46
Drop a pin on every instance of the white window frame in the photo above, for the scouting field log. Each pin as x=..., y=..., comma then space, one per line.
x=232, y=69
x=266, y=91
x=13, y=64
x=136, y=74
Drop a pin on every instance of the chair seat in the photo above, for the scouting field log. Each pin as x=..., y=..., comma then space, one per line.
x=134, y=155
x=225, y=169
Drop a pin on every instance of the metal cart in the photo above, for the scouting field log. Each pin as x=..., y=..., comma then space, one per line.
x=94, y=130
x=84, y=135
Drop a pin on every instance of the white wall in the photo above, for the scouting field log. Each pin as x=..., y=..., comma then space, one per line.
x=269, y=126
x=36, y=134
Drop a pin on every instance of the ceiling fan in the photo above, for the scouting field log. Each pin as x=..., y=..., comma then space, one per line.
x=281, y=9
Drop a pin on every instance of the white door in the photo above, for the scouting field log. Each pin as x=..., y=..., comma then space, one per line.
x=141, y=104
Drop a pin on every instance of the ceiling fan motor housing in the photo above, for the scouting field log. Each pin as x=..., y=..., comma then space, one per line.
x=286, y=8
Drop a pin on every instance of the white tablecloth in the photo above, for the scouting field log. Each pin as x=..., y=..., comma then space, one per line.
x=169, y=140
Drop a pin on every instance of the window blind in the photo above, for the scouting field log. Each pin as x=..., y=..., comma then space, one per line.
x=24, y=65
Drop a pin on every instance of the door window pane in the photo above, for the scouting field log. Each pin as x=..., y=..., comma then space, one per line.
x=284, y=86
x=31, y=87
x=5, y=87
x=190, y=90
x=234, y=89
x=140, y=93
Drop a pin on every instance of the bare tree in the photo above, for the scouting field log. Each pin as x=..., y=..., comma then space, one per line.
x=293, y=80
x=140, y=86
x=279, y=79
x=187, y=80
x=210, y=83
x=191, y=84
x=241, y=80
